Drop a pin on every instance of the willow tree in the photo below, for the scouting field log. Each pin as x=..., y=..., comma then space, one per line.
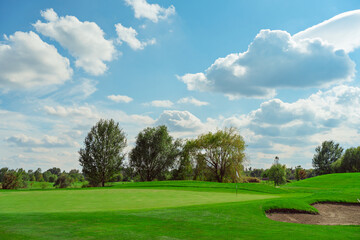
x=221, y=153
x=103, y=154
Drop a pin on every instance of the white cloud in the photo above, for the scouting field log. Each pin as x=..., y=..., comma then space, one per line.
x=128, y=35
x=193, y=101
x=274, y=60
x=84, y=40
x=185, y=124
x=26, y=62
x=153, y=12
x=120, y=98
x=82, y=111
x=160, y=103
x=342, y=31
x=22, y=140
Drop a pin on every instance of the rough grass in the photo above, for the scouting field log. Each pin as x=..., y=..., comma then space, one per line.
x=222, y=220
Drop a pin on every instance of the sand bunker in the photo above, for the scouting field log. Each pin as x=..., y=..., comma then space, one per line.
x=329, y=214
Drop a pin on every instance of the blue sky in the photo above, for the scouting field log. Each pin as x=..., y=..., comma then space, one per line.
x=285, y=73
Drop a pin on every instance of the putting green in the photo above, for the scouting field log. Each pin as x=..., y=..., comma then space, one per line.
x=112, y=199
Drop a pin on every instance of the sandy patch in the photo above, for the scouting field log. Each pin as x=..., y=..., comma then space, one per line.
x=329, y=214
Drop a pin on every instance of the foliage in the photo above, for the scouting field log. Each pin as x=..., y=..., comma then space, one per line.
x=251, y=180
x=155, y=153
x=13, y=179
x=103, y=154
x=185, y=170
x=300, y=173
x=63, y=181
x=220, y=153
x=277, y=173
x=325, y=155
x=55, y=170
x=351, y=160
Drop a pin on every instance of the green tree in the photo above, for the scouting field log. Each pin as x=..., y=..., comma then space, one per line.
x=185, y=170
x=155, y=153
x=221, y=153
x=325, y=155
x=277, y=173
x=63, y=181
x=300, y=173
x=13, y=179
x=103, y=154
x=351, y=160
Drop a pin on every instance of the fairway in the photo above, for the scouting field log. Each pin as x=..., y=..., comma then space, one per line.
x=113, y=199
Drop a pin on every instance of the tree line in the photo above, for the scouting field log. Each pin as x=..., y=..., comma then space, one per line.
x=217, y=156
x=157, y=155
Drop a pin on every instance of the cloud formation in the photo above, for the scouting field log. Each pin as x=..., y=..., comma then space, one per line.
x=26, y=62
x=274, y=60
x=153, y=12
x=22, y=140
x=128, y=35
x=193, y=101
x=341, y=31
x=120, y=98
x=84, y=40
x=160, y=103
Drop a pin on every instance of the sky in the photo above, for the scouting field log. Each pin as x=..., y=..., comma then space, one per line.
x=285, y=73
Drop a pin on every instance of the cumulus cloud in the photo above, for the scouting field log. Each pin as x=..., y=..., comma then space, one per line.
x=274, y=60
x=84, y=40
x=193, y=101
x=26, y=62
x=185, y=124
x=120, y=98
x=128, y=35
x=342, y=31
x=180, y=121
x=22, y=140
x=153, y=12
x=321, y=113
x=160, y=103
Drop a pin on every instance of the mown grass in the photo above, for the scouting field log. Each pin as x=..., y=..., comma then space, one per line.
x=204, y=220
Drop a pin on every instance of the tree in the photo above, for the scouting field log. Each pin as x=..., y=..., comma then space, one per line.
x=222, y=153
x=300, y=173
x=63, y=181
x=103, y=154
x=325, y=155
x=55, y=170
x=155, y=153
x=185, y=168
x=13, y=179
x=277, y=173
x=351, y=160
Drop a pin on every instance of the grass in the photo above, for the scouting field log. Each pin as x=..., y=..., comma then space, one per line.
x=174, y=210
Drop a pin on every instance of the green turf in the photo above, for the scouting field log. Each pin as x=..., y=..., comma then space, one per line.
x=173, y=210
x=113, y=199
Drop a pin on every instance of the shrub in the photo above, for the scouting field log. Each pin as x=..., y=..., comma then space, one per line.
x=13, y=179
x=63, y=181
x=251, y=180
x=277, y=173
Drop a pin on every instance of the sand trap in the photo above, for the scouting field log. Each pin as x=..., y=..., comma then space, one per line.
x=329, y=214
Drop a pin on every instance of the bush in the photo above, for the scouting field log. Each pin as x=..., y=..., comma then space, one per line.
x=63, y=181
x=251, y=180
x=13, y=180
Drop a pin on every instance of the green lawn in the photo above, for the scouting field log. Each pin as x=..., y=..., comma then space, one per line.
x=173, y=210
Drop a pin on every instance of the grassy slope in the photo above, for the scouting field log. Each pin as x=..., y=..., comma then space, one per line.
x=234, y=220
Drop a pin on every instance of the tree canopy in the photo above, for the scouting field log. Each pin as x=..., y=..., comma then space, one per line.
x=154, y=153
x=103, y=154
x=220, y=153
x=325, y=155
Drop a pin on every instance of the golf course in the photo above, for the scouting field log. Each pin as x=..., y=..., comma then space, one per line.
x=176, y=210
